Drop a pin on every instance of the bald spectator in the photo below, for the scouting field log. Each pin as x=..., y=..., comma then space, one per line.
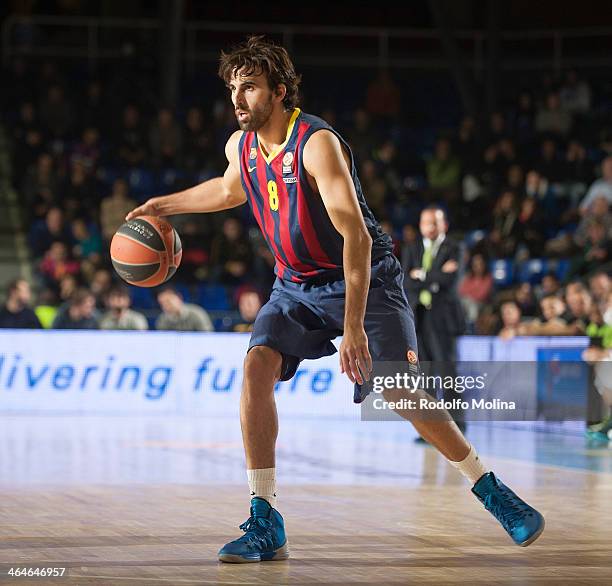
x=180, y=316
x=17, y=312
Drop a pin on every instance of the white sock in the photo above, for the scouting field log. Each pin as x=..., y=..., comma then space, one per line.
x=472, y=468
x=262, y=482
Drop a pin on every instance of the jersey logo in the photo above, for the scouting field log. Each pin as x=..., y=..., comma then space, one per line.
x=287, y=162
x=290, y=179
x=251, y=169
x=253, y=153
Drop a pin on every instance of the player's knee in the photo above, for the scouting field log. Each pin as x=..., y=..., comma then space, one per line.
x=262, y=367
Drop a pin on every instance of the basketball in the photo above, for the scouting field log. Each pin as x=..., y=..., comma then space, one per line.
x=146, y=251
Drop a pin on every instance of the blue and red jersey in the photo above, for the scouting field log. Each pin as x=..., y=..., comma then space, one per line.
x=291, y=215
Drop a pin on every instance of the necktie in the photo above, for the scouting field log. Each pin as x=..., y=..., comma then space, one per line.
x=425, y=295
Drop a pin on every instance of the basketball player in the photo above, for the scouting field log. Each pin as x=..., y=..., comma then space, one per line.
x=336, y=276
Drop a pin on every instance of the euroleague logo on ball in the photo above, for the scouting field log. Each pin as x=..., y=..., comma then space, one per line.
x=412, y=357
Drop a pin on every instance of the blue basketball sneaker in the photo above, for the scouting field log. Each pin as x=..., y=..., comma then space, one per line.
x=600, y=432
x=522, y=522
x=264, y=537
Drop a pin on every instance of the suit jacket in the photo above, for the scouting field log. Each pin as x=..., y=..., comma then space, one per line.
x=446, y=309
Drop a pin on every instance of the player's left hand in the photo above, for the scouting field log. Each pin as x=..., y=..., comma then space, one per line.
x=355, y=359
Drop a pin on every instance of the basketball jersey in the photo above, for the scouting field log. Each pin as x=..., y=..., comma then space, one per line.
x=291, y=215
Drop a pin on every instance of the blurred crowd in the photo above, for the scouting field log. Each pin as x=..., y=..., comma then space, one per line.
x=527, y=189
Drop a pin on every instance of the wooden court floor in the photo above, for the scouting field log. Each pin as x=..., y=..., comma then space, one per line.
x=435, y=533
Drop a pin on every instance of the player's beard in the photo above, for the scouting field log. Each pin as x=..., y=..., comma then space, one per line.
x=258, y=117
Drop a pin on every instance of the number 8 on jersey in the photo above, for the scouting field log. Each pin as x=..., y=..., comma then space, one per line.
x=273, y=195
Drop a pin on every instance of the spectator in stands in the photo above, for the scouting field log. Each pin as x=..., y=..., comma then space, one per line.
x=498, y=158
x=386, y=159
x=165, y=139
x=597, y=251
x=100, y=285
x=28, y=140
x=46, y=309
x=577, y=169
x=550, y=286
x=114, y=208
x=198, y=143
x=79, y=194
x=57, y=262
x=119, y=315
x=131, y=139
x=40, y=187
x=598, y=329
x=95, y=112
x=249, y=304
x=579, y=305
x=505, y=228
x=374, y=187
x=231, y=253
x=88, y=242
x=476, y=287
x=552, y=118
x=180, y=316
x=548, y=163
x=444, y=168
x=383, y=96
x=552, y=322
x=510, y=314
x=80, y=314
x=525, y=299
x=361, y=136
x=600, y=286
x=575, y=94
x=56, y=114
x=67, y=285
x=17, y=312
x=536, y=186
x=468, y=146
x=46, y=232
x=600, y=188
x=524, y=118
x=531, y=227
x=87, y=151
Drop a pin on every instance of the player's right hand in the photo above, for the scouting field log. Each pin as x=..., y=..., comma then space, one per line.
x=148, y=208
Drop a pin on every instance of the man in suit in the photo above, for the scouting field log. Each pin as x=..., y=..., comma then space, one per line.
x=431, y=266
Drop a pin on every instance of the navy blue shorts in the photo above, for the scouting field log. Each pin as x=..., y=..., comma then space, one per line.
x=301, y=319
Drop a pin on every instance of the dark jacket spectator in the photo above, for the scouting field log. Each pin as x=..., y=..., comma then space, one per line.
x=17, y=312
x=46, y=232
x=165, y=139
x=80, y=314
x=231, y=253
x=131, y=139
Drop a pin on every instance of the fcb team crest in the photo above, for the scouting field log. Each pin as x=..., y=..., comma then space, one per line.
x=253, y=153
x=412, y=357
x=288, y=158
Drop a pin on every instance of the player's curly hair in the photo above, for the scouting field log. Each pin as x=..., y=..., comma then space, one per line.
x=258, y=55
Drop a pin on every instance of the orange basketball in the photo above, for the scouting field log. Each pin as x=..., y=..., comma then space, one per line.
x=146, y=251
